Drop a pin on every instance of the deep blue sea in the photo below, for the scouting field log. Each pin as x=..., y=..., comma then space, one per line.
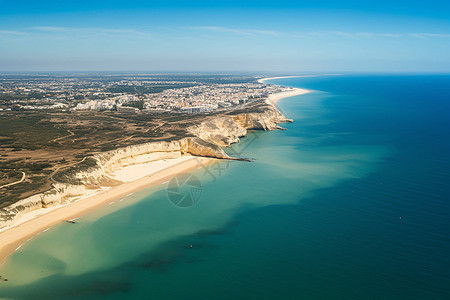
x=352, y=201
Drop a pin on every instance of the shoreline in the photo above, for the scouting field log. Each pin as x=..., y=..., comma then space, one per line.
x=261, y=80
x=274, y=98
x=14, y=237
x=35, y=222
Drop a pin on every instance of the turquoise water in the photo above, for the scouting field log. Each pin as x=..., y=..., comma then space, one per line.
x=351, y=202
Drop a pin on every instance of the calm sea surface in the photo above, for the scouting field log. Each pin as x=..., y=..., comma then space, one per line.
x=351, y=202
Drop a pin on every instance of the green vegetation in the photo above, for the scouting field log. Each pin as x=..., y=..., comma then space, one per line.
x=67, y=175
x=27, y=131
x=137, y=104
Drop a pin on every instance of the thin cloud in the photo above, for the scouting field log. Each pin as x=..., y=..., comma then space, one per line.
x=88, y=30
x=389, y=35
x=247, y=32
x=12, y=32
x=426, y=35
x=51, y=29
x=237, y=31
x=372, y=34
x=344, y=34
x=356, y=35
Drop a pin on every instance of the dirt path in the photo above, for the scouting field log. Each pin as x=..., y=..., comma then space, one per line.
x=64, y=166
x=63, y=137
x=16, y=182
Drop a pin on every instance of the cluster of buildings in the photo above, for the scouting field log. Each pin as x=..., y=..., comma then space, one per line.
x=40, y=92
x=207, y=97
x=127, y=95
x=106, y=104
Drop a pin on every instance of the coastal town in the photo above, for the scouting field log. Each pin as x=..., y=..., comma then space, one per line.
x=131, y=94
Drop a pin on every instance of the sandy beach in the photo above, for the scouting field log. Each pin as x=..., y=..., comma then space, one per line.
x=12, y=238
x=279, y=77
x=273, y=99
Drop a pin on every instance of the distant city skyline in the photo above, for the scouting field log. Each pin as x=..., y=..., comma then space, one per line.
x=231, y=36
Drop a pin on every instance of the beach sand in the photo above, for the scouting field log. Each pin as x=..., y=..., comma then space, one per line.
x=279, y=77
x=273, y=99
x=35, y=222
x=294, y=76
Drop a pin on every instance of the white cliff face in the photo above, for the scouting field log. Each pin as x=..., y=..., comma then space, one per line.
x=60, y=194
x=199, y=147
x=137, y=154
x=222, y=131
x=266, y=120
x=226, y=130
x=210, y=135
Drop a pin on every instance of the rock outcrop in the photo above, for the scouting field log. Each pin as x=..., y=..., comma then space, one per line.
x=211, y=134
x=221, y=131
x=226, y=130
x=267, y=119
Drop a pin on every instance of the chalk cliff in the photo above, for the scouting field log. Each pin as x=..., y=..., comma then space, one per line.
x=266, y=117
x=211, y=134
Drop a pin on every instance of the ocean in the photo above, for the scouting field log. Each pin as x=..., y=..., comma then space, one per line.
x=350, y=202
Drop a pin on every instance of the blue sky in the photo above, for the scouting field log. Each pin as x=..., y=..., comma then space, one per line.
x=225, y=36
